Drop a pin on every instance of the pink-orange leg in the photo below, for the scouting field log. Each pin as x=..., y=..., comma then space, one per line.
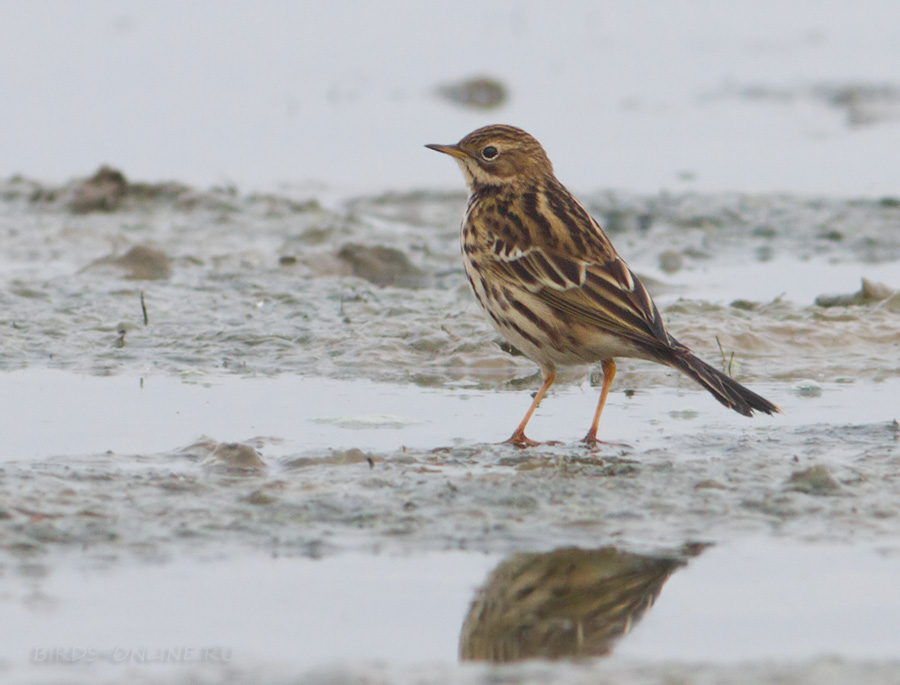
x=609, y=372
x=518, y=437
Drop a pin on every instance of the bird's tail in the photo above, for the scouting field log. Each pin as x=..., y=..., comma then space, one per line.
x=724, y=388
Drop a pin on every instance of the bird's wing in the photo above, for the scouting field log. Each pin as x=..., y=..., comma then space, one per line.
x=603, y=293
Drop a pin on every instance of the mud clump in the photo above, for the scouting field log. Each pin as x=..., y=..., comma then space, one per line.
x=223, y=455
x=140, y=263
x=816, y=480
x=482, y=92
x=234, y=455
x=671, y=261
x=102, y=192
x=382, y=266
x=869, y=293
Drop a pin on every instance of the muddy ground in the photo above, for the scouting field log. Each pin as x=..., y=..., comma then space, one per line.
x=105, y=277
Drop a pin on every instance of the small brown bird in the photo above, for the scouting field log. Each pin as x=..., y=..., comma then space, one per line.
x=550, y=280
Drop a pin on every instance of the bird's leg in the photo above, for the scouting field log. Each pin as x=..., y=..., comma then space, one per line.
x=518, y=437
x=609, y=372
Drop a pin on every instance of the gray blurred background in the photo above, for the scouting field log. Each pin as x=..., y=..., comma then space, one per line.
x=755, y=96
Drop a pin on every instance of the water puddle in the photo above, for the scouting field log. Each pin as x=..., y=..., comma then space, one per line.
x=299, y=613
x=48, y=413
x=773, y=600
x=752, y=599
x=793, y=280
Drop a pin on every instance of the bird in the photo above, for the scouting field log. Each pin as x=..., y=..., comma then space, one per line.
x=552, y=283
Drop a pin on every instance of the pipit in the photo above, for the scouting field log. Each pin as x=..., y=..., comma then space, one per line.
x=551, y=281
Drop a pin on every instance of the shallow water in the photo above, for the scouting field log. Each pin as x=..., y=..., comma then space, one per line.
x=764, y=600
x=46, y=415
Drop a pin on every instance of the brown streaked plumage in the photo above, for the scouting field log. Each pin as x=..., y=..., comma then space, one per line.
x=550, y=280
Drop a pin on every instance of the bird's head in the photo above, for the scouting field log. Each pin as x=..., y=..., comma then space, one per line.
x=498, y=155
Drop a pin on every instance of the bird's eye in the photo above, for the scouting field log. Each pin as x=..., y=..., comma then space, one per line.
x=489, y=152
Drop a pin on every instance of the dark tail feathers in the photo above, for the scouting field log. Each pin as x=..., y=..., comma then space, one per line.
x=725, y=389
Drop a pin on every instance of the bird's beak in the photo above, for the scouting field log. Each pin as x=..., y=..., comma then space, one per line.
x=452, y=150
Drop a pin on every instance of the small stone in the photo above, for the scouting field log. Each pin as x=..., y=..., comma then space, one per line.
x=261, y=497
x=710, y=484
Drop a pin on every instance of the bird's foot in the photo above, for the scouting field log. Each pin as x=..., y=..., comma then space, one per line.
x=520, y=440
x=590, y=440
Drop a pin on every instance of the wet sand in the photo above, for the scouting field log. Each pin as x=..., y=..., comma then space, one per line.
x=267, y=378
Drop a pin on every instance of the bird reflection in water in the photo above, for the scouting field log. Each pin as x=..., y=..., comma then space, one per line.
x=570, y=602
